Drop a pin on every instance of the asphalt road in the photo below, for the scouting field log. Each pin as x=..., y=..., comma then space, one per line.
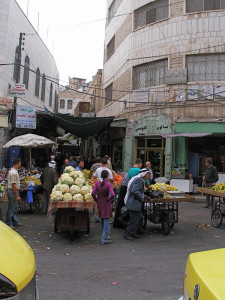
x=149, y=268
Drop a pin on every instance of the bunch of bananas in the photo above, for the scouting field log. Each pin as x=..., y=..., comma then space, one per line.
x=163, y=187
x=86, y=173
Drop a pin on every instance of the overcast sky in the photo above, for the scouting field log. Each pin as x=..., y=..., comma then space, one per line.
x=78, y=49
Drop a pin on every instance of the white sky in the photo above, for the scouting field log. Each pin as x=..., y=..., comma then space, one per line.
x=78, y=49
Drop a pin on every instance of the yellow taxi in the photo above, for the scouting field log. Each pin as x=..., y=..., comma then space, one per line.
x=17, y=267
x=205, y=276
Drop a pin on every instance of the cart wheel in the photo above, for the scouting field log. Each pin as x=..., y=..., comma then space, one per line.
x=88, y=224
x=145, y=221
x=55, y=224
x=217, y=218
x=166, y=228
x=72, y=233
x=172, y=225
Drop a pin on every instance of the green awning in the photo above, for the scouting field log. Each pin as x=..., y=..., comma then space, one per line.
x=82, y=127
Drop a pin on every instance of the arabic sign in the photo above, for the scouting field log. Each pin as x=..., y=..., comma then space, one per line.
x=6, y=101
x=155, y=125
x=140, y=96
x=176, y=76
x=17, y=90
x=26, y=117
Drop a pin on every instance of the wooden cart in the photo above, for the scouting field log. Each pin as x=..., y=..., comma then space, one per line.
x=163, y=211
x=218, y=205
x=71, y=216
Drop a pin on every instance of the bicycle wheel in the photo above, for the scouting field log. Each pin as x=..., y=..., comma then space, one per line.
x=217, y=218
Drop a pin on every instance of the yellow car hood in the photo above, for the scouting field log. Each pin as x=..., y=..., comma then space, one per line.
x=206, y=269
x=17, y=261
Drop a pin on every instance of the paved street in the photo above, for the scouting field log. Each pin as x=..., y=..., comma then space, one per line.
x=150, y=268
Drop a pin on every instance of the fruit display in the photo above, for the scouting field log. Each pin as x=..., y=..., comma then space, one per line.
x=72, y=186
x=117, y=180
x=163, y=187
x=220, y=187
x=92, y=180
x=87, y=174
x=31, y=179
x=2, y=188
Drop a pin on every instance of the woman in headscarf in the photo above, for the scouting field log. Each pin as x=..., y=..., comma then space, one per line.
x=134, y=199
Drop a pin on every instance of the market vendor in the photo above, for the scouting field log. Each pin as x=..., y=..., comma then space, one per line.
x=72, y=162
x=49, y=179
x=80, y=165
x=13, y=194
x=210, y=179
x=66, y=164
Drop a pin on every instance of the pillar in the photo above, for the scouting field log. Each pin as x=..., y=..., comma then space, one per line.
x=180, y=157
x=168, y=158
x=128, y=152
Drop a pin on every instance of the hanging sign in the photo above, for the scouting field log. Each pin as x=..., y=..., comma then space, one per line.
x=17, y=90
x=26, y=117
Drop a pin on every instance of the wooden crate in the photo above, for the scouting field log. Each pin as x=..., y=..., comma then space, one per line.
x=209, y=191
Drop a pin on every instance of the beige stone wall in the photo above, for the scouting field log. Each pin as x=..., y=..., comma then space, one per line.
x=123, y=32
x=176, y=62
x=176, y=8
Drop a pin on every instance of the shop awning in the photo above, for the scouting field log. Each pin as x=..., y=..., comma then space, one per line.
x=186, y=134
x=82, y=127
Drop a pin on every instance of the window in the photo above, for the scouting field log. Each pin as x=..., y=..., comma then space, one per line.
x=37, y=82
x=204, y=5
x=111, y=47
x=208, y=67
x=16, y=64
x=151, y=13
x=150, y=74
x=43, y=87
x=112, y=11
x=70, y=104
x=62, y=103
x=50, y=94
x=26, y=72
x=109, y=94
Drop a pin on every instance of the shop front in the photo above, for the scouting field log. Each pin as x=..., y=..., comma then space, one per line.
x=208, y=140
x=144, y=139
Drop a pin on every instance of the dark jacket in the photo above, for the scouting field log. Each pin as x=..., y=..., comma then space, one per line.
x=211, y=175
x=135, y=195
x=49, y=178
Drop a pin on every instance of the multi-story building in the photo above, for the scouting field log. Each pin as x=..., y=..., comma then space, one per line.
x=38, y=70
x=71, y=95
x=164, y=74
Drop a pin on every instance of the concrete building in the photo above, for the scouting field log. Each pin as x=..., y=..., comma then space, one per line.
x=94, y=93
x=38, y=69
x=164, y=73
x=71, y=95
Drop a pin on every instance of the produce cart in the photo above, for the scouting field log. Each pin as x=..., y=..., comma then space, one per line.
x=218, y=205
x=164, y=211
x=71, y=216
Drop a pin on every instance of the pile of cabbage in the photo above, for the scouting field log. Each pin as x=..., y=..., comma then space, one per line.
x=72, y=186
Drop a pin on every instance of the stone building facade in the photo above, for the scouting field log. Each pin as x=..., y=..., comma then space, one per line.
x=163, y=59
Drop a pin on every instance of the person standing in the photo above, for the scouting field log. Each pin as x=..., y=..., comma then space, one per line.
x=109, y=163
x=96, y=165
x=103, y=194
x=210, y=179
x=151, y=175
x=88, y=163
x=48, y=179
x=66, y=164
x=136, y=168
x=72, y=162
x=134, y=201
x=80, y=166
x=13, y=194
x=52, y=163
x=103, y=167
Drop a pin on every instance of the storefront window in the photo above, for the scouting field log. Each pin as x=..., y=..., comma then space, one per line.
x=141, y=142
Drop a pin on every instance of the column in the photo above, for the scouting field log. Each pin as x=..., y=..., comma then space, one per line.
x=128, y=152
x=180, y=157
x=168, y=158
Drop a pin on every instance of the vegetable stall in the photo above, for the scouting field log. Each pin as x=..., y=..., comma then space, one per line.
x=72, y=200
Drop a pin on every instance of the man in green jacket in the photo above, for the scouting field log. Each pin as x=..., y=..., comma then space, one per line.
x=210, y=179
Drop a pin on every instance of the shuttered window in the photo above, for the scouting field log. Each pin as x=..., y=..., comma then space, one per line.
x=208, y=67
x=111, y=48
x=204, y=5
x=109, y=94
x=150, y=74
x=112, y=11
x=151, y=13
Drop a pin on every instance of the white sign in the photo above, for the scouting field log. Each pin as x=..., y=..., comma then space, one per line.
x=17, y=90
x=26, y=117
x=192, y=92
x=140, y=96
x=176, y=76
x=220, y=91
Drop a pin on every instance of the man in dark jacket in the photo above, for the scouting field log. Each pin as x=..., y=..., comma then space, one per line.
x=48, y=179
x=134, y=200
x=210, y=179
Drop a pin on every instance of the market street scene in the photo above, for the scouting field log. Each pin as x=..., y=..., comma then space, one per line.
x=112, y=149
